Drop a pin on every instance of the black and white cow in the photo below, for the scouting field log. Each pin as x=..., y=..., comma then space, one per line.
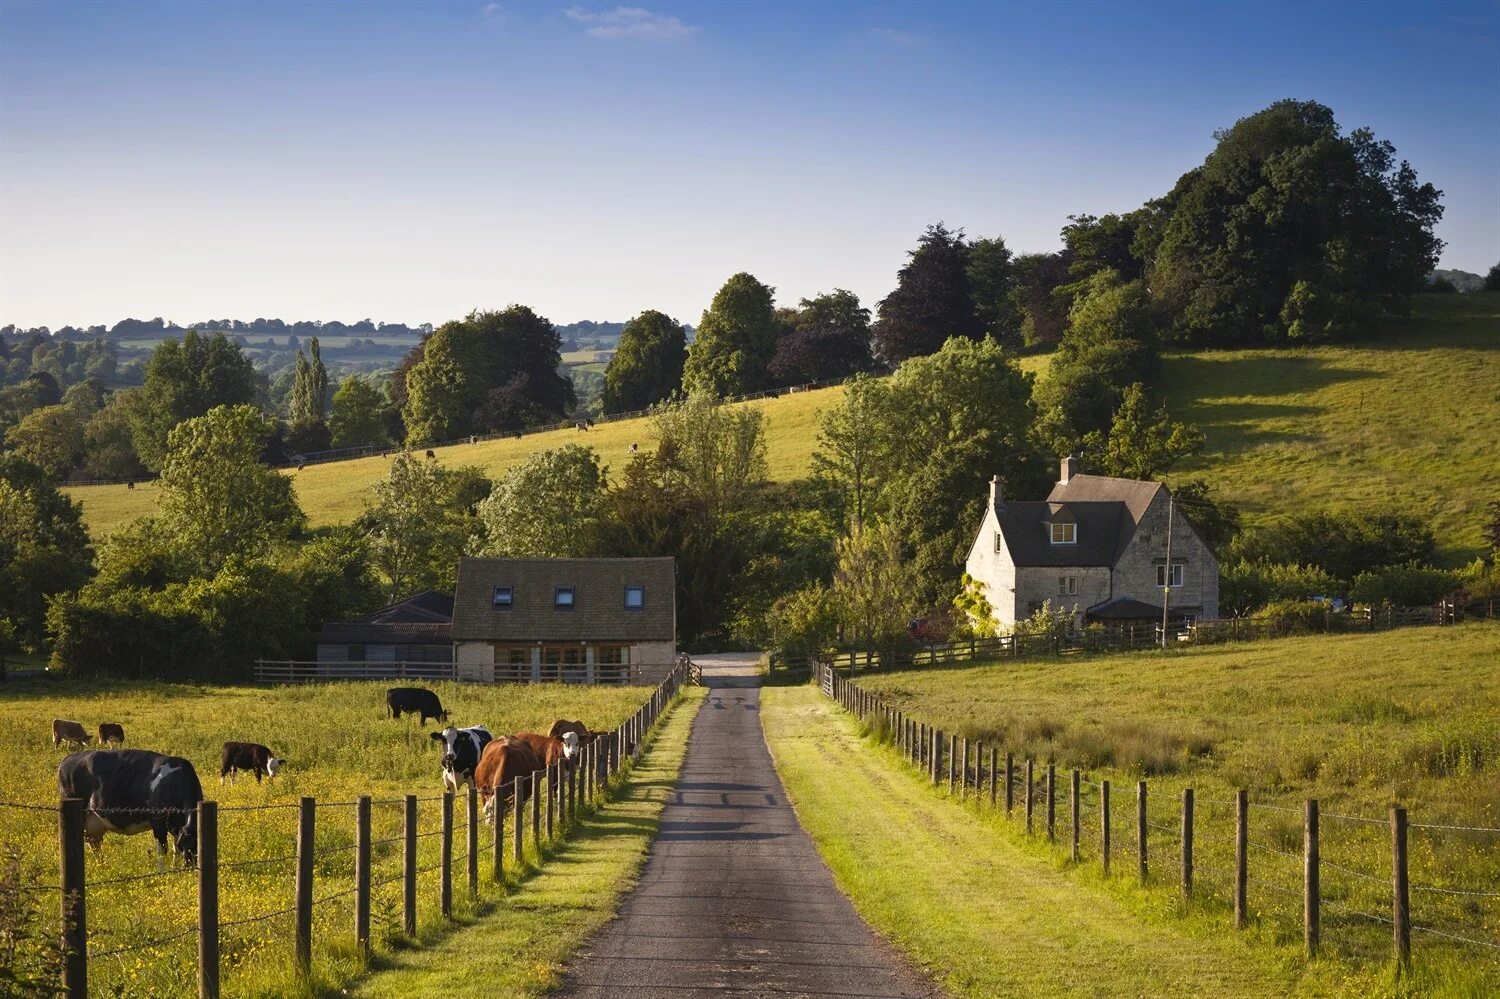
x=462, y=748
x=415, y=701
x=128, y=791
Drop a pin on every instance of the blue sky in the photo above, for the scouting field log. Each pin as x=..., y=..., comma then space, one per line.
x=411, y=161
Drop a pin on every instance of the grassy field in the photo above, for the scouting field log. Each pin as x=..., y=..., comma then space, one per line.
x=1358, y=722
x=339, y=744
x=1413, y=420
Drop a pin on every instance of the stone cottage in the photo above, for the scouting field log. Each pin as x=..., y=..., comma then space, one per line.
x=1098, y=547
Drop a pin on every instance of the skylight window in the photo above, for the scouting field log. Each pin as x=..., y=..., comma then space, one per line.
x=635, y=598
x=505, y=596
x=562, y=598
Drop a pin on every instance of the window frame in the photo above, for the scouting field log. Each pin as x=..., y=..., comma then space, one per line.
x=1067, y=586
x=637, y=588
x=510, y=597
x=557, y=602
x=1071, y=530
x=1170, y=575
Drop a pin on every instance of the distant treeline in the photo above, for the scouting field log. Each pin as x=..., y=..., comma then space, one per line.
x=161, y=329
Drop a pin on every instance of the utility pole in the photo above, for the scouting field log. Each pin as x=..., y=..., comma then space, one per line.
x=1166, y=590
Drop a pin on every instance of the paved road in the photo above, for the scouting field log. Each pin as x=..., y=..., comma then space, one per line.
x=734, y=900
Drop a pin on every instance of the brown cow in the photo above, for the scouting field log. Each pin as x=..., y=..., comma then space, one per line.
x=562, y=726
x=503, y=760
x=68, y=731
x=111, y=732
x=548, y=749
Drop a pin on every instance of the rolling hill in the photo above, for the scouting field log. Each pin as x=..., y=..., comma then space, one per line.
x=1412, y=419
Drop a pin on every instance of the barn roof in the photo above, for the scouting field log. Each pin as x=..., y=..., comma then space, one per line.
x=598, y=612
x=424, y=618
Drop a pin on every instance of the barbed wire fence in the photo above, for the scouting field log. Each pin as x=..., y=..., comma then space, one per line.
x=1266, y=861
x=368, y=864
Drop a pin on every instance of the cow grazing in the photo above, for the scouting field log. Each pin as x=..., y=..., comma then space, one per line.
x=251, y=756
x=503, y=760
x=68, y=731
x=562, y=726
x=111, y=732
x=462, y=748
x=415, y=701
x=128, y=791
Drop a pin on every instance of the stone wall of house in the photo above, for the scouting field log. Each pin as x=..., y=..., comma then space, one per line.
x=656, y=658
x=1036, y=584
x=995, y=572
x=475, y=661
x=1135, y=572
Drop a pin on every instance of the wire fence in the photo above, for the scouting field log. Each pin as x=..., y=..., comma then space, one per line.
x=373, y=870
x=1336, y=874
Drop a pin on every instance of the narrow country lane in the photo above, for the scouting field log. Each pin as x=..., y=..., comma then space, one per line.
x=735, y=900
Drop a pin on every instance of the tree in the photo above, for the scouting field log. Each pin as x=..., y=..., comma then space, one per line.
x=853, y=448
x=801, y=624
x=108, y=444
x=735, y=340
x=992, y=280
x=1247, y=587
x=217, y=500
x=932, y=300
x=828, y=338
x=547, y=507
x=874, y=591
x=439, y=390
x=1492, y=279
x=44, y=548
x=1143, y=444
x=1103, y=244
x=309, y=389
x=1492, y=526
x=419, y=522
x=50, y=437
x=1041, y=308
x=186, y=379
x=360, y=416
x=647, y=365
x=716, y=453
x=1345, y=543
x=1291, y=230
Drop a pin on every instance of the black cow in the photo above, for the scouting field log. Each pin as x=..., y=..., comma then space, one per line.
x=415, y=700
x=250, y=756
x=462, y=748
x=128, y=791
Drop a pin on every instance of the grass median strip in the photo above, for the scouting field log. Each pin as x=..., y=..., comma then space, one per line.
x=983, y=913
x=519, y=949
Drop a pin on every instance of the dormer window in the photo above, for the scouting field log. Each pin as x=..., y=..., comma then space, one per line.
x=504, y=597
x=1064, y=534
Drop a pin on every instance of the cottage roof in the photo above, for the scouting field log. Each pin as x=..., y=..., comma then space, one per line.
x=598, y=612
x=1029, y=540
x=1134, y=494
x=1131, y=609
x=424, y=618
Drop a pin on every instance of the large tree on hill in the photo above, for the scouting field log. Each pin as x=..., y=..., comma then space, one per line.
x=1041, y=308
x=1103, y=243
x=450, y=391
x=1290, y=230
x=44, y=548
x=648, y=362
x=827, y=337
x=1492, y=279
x=736, y=337
x=185, y=379
x=360, y=416
x=992, y=282
x=932, y=300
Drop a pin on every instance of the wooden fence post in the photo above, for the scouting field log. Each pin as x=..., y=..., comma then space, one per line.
x=952, y=760
x=1075, y=817
x=497, y=834
x=409, y=865
x=994, y=777
x=1187, y=842
x=1400, y=898
x=1010, y=782
x=937, y=755
x=472, y=842
x=518, y=822
x=551, y=802
x=1311, y=888
x=75, y=931
x=572, y=793
x=536, y=810
x=445, y=864
x=208, y=900
x=1104, y=825
x=1140, y=827
x=1241, y=848
x=1051, y=803
x=306, y=847
x=1030, y=793
x=362, y=874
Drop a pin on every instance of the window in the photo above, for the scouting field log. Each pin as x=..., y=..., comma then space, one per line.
x=613, y=655
x=635, y=598
x=1161, y=575
x=504, y=597
x=1064, y=534
x=1067, y=586
x=999, y=543
x=562, y=598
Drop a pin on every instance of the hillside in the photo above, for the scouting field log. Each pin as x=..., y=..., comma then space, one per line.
x=1413, y=419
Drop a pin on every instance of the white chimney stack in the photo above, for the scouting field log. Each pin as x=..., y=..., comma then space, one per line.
x=997, y=492
x=1069, y=469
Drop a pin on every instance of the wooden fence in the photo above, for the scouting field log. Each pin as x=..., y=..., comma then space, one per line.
x=995, y=779
x=557, y=798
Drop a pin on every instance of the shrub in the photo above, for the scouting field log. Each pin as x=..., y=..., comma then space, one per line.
x=1295, y=617
x=1409, y=585
x=1343, y=543
x=802, y=623
x=1245, y=587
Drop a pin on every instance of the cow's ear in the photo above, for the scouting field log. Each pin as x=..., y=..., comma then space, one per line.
x=436, y=736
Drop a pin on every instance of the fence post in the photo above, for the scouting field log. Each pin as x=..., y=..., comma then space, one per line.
x=963, y=778
x=1140, y=827
x=208, y=900
x=551, y=801
x=1075, y=817
x=75, y=931
x=937, y=755
x=1104, y=825
x=409, y=865
x=1010, y=782
x=445, y=878
x=306, y=847
x=1051, y=802
x=1400, y=900
x=1241, y=848
x=1311, y=889
x=1187, y=842
x=1030, y=795
x=362, y=874
x=994, y=777
x=572, y=794
x=518, y=823
x=952, y=761
x=472, y=816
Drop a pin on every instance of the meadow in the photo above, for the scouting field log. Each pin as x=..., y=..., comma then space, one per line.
x=1359, y=722
x=1410, y=419
x=339, y=743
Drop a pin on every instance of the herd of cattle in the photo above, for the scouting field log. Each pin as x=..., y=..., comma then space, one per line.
x=129, y=791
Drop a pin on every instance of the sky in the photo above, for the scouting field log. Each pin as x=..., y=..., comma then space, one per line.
x=409, y=162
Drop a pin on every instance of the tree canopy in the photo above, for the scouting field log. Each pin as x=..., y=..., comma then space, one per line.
x=828, y=338
x=44, y=548
x=547, y=507
x=647, y=365
x=185, y=379
x=732, y=348
x=361, y=415
x=932, y=300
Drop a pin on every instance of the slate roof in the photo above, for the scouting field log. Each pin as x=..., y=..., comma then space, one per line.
x=1135, y=495
x=424, y=618
x=1029, y=540
x=598, y=612
x=1127, y=609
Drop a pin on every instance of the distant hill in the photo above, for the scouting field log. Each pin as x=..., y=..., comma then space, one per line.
x=1462, y=280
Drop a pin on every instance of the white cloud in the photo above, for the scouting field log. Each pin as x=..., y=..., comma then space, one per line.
x=630, y=22
x=491, y=12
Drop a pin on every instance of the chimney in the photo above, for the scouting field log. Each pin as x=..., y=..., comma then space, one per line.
x=1069, y=469
x=997, y=493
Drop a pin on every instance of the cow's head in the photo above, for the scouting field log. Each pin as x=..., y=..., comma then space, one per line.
x=449, y=738
x=273, y=765
x=570, y=744
x=185, y=838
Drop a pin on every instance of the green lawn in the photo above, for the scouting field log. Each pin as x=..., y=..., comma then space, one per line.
x=982, y=912
x=1358, y=722
x=339, y=743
